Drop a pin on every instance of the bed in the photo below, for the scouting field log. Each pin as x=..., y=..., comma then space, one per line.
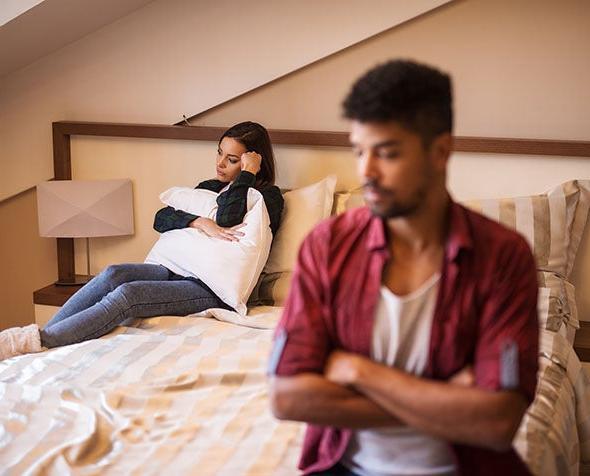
x=188, y=395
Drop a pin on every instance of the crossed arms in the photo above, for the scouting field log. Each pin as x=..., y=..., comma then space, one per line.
x=355, y=392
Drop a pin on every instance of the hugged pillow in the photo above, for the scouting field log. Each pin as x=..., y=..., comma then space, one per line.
x=229, y=268
x=304, y=208
x=198, y=202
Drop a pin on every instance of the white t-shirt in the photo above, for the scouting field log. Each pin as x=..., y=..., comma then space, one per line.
x=401, y=339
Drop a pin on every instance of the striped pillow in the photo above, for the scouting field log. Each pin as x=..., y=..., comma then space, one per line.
x=557, y=305
x=546, y=221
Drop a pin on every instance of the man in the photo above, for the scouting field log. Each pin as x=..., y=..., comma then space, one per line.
x=409, y=339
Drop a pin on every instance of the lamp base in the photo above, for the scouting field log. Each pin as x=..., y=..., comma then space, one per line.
x=78, y=280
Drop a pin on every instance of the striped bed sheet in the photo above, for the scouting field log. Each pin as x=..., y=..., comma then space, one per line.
x=165, y=395
x=188, y=395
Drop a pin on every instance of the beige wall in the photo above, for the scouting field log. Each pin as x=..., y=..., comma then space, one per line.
x=169, y=58
x=520, y=69
x=28, y=261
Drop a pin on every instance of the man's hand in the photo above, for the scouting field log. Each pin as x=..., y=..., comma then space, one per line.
x=343, y=368
x=212, y=229
x=251, y=162
x=465, y=377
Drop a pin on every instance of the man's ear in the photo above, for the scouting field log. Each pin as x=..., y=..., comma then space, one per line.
x=440, y=150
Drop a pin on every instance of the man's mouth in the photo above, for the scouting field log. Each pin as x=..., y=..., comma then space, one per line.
x=373, y=193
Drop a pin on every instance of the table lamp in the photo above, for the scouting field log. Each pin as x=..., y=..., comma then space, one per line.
x=84, y=209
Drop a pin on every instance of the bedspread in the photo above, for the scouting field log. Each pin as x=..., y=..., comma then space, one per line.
x=188, y=395
x=167, y=395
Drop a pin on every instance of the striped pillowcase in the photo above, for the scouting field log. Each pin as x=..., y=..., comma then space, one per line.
x=556, y=306
x=554, y=435
x=546, y=221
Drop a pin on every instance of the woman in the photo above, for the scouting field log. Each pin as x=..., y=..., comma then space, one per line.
x=244, y=159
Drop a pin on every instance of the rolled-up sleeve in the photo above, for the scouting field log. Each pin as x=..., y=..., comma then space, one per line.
x=506, y=355
x=304, y=338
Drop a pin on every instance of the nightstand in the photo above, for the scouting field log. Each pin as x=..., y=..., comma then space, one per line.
x=49, y=299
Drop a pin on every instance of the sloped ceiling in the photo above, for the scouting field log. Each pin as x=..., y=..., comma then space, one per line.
x=31, y=29
x=13, y=8
x=174, y=57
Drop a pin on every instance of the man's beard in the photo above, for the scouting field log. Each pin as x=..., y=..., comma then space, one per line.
x=392, y=208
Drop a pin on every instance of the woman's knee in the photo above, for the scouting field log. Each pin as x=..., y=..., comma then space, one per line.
x=115, y=274
x=127, y=294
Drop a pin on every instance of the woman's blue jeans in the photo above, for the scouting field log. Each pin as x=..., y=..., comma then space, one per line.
x=126, y=291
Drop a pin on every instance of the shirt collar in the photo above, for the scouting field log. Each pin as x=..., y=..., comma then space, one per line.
x=458, y=238
x=459, y=235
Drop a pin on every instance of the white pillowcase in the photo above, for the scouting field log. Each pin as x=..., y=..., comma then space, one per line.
x=229, y=268
x=304, y=208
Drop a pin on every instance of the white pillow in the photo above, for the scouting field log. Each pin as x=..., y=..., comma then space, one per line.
x=191, y=200
x=229, y=268
x=304, y=208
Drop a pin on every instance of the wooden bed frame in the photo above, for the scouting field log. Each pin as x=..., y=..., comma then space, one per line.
x=62, y=131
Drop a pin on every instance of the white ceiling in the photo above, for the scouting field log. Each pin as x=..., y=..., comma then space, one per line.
x=31, y=29
x=12, y=8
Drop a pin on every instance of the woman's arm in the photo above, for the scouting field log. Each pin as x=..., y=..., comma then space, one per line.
x=273, y=199
x=233, y=203
x=168, y=218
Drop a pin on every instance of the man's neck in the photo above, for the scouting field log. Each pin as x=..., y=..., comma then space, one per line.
x=416, y=246
x=425, y=228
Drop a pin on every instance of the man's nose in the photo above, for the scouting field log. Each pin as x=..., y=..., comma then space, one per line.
x=368, y=165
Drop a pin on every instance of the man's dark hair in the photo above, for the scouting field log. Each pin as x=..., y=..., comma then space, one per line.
x=415, y=95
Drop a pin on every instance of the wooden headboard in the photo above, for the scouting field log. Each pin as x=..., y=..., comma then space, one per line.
x=62, y=132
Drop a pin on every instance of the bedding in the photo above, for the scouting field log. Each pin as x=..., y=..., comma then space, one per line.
x=304, y=208
x=165, y=395
x=554, y=436
x=230, y=269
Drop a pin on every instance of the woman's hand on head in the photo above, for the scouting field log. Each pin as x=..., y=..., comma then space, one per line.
x=251, y=162
x=212, y=229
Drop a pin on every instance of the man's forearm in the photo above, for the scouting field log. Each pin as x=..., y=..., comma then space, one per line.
x=452, y=412
x=311, y=398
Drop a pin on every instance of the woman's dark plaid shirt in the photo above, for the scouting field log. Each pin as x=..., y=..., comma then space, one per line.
x=232, y=205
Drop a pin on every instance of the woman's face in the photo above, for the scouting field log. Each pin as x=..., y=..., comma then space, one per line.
x=229, y=162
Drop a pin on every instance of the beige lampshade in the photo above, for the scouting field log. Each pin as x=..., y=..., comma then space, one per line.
x=85, y=208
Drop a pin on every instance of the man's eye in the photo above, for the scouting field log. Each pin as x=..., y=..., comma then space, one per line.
x=389, y=154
